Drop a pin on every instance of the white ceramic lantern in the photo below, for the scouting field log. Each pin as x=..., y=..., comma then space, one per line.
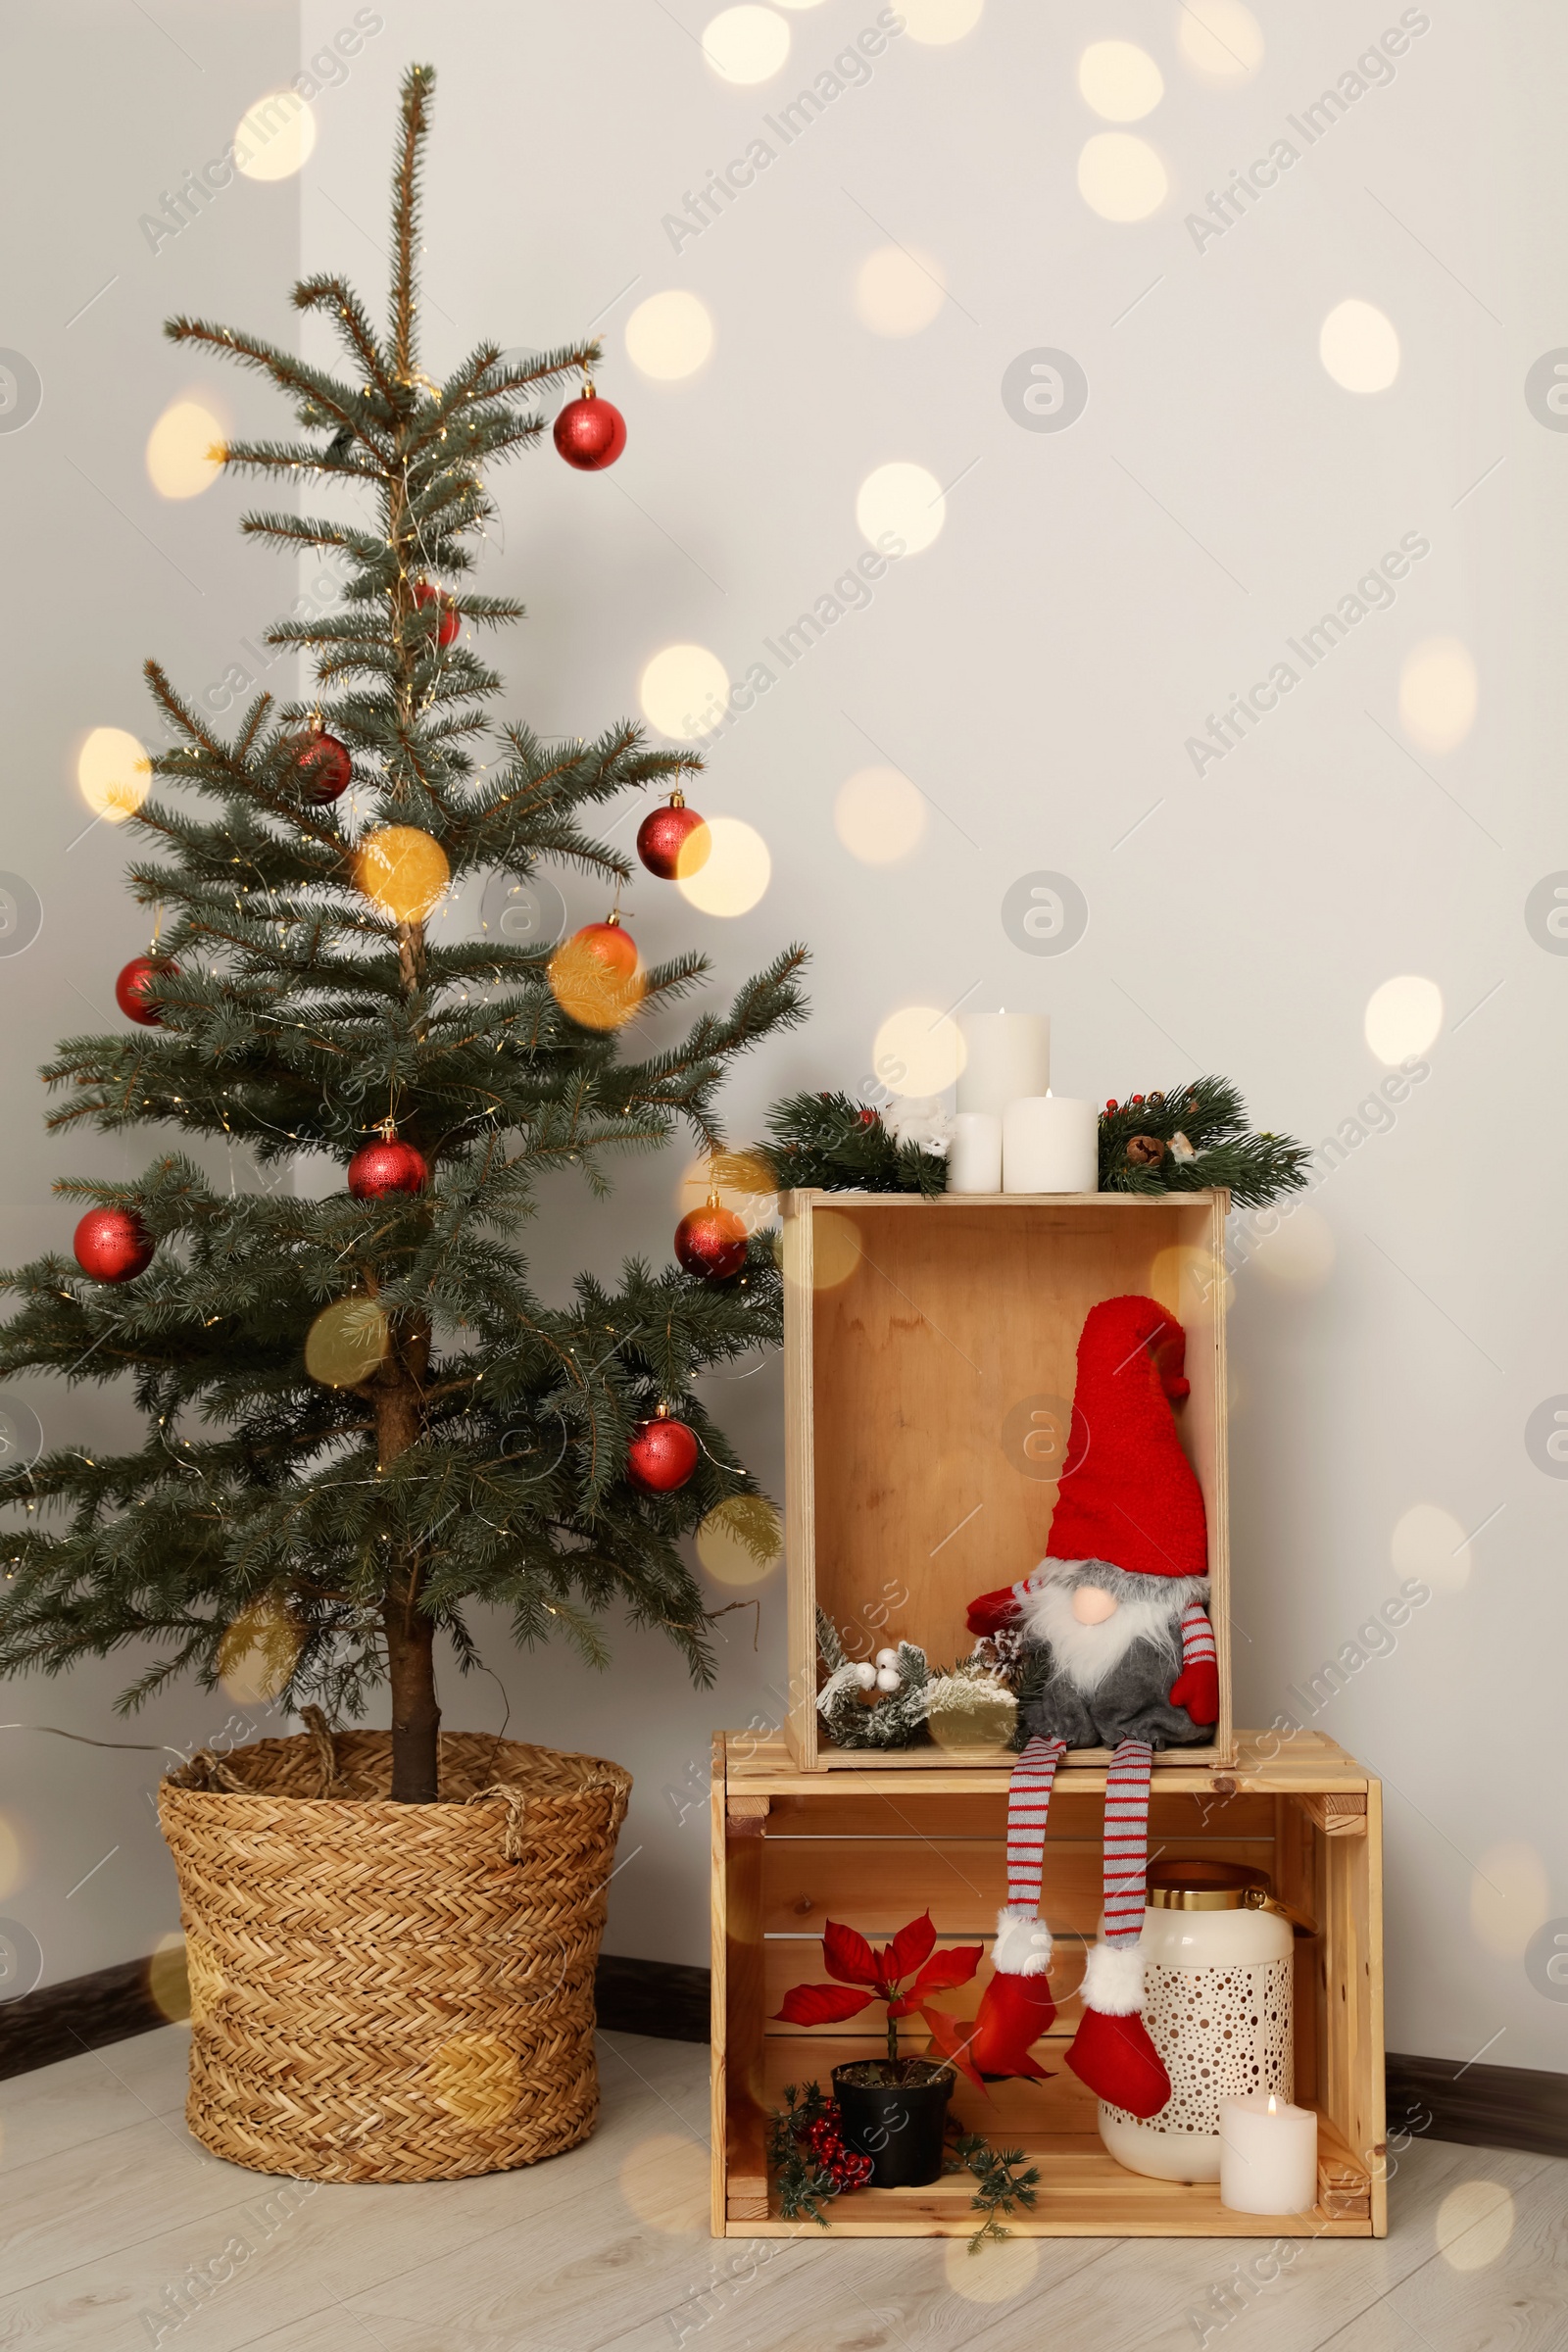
x=1218, y=1968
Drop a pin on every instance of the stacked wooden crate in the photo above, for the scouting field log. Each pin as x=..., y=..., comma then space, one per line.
x=929, y=1369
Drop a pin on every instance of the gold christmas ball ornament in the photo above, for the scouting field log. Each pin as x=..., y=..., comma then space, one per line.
x=403, y=870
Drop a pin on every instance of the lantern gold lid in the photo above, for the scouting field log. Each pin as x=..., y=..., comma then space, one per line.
x=1176, y=1884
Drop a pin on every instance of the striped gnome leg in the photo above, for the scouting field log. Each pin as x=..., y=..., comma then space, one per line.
x=1111, y=2050
x=1016, y=2007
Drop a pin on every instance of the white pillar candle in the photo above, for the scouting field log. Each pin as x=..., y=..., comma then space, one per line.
x=974, y=1164
x=1267, y=2155
x=1049, y=1144
x=1005, y=1054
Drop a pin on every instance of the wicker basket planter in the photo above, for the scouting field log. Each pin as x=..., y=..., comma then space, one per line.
x=392, y=1992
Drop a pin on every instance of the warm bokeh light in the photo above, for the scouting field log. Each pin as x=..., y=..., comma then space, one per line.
x=684, y=690
x=1298, y=1253
x=258, y=1653
x=741, y=1541
x=1429, y=1543
x=347, y=1342
x=835, y=1249
x=918, y=1052
x=746, y=44
x=903, y=501
x=204, y=1978
x=1403, y=1017
x=403, y=870
x=665, y=2182
x=936, y=23
x=168, y=1981
x=1474, y=2225
x=1510, y=1894
x=10, y=1858
x=1221, y=40
x=983, y=1720
x=114, y=772
x=477, y=2076
x=1437, y=693
x=184, y=450
x=669, y=335
x=879, y=816
x=1185, y=1279
x=1003, y=2271
x=1120, y=80
x=591, y=992
x=273, y=137
x=735, y=872
x=1120, y=176
x=1359, y=346
x=899, y=290
x=743, y=1181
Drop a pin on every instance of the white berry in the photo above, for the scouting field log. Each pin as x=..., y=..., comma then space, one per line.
x=887, y=1658
x=888, y=1677
x=865, y=1674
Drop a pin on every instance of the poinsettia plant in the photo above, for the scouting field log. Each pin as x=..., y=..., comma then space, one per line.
x=865, y=1975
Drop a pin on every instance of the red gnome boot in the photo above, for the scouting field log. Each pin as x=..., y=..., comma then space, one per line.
x=1111, y=2051
x=1016, y=2006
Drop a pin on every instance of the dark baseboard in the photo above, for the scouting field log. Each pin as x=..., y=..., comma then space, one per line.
x=62, y=2020
x=1480, y=2106
x=633, y=1997
x=1439, y=2098
x=651, y=1996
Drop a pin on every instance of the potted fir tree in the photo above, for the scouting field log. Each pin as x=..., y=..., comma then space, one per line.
x=360, y=1420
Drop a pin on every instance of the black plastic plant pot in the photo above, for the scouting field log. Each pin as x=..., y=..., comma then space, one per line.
x=898, y=2123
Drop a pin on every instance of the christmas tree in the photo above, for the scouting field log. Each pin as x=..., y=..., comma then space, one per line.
x=360, y=1420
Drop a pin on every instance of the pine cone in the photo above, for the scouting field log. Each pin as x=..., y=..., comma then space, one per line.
x=1144, y=1151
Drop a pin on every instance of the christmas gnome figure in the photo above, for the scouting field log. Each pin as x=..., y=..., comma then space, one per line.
x=1118, y=1608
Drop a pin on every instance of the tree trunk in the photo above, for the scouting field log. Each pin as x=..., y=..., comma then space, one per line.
x=410, y=1632
x=416, y=1715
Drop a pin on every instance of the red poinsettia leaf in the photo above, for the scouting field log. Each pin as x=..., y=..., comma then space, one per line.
x=909, y=1946
x=821, y=2004
x=848, y=1955
x=950, y=2041
x=955, y=1966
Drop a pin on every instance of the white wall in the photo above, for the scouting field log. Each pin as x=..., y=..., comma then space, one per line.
x=1094, y=594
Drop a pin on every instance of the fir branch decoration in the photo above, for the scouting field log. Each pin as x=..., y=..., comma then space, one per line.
x=1003, y=2187
x=1191, y=1138
x=974, y=1697
x=832, y=1143
x=802, y=2156
x=482, y=1461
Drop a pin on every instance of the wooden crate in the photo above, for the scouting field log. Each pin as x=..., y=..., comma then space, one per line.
x=929, y=1366
x=792, y=1848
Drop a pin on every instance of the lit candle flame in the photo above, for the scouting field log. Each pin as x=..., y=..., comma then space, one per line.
x=1273, y=2104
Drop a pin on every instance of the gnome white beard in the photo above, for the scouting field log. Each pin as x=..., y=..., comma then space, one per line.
x=1148, y=1608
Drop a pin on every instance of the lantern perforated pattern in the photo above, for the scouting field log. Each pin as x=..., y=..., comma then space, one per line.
x=1222, y=2032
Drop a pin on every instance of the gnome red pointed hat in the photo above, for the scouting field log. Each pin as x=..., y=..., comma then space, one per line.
x=1133, y=1497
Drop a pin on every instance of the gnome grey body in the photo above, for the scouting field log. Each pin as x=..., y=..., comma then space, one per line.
x=1108, y=1668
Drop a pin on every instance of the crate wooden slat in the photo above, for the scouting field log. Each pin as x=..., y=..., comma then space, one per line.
x=793, y=1846
x=913, y=1330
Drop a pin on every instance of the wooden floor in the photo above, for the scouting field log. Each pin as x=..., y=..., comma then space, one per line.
x=107, y=2204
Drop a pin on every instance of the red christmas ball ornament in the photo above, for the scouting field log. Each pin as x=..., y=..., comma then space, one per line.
x=136, y=989
x=668, y=842
x=1111, y=1102
x=112, y=1245
x=712, y=1242
x=451, y=620
x=662, y=1454
x=612, y=944
x=590, y=432
x=387, y=1167
x=323, y=768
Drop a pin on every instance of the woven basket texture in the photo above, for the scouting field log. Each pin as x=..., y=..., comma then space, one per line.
x=392, y=1992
